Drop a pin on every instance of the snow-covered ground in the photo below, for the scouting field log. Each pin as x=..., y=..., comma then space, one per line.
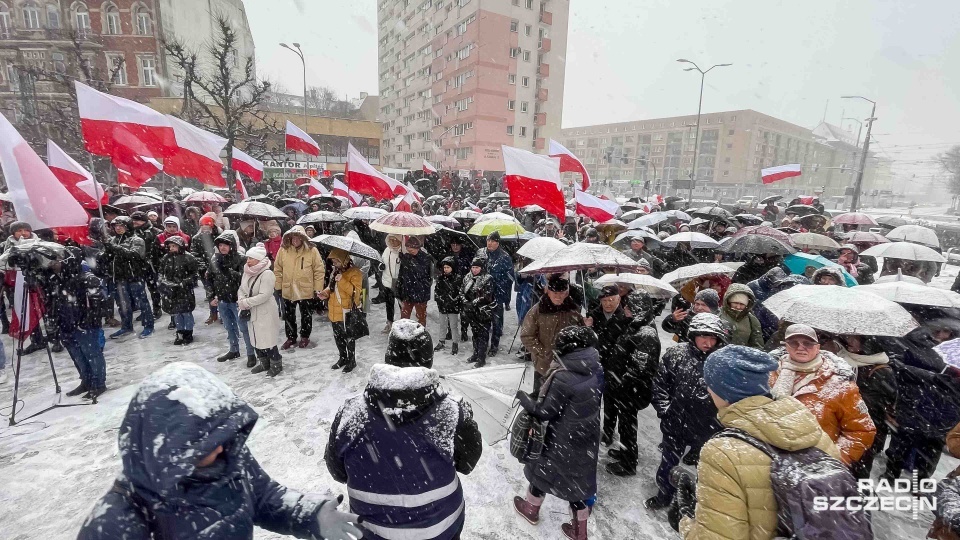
x=55, y=466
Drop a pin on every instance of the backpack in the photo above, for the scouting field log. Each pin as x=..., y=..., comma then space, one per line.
x=797, y=478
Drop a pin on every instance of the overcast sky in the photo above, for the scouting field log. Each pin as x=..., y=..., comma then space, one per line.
x=789, y=58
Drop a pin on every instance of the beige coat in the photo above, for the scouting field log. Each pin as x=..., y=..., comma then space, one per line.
x=299, y=271
x=541, y=326
x=734, y=498
x=264, y=323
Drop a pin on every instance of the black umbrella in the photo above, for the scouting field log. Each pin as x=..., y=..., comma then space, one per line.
x=801, y=210
x=748, y=219
x=709, y=212
x=672, y=198
x=887, y=221
x=350, y=245
x=771, y=199
x=757, y=244
x=322, y=216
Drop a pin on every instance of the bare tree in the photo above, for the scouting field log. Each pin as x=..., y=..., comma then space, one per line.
x=950, y=163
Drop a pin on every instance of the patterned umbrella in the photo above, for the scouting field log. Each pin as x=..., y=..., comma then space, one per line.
x=777, y=235
x=255, y=209
x=581, y=256
x=204, y=197
x=841, y=310
x=322, y=216
x=364, y=212
x=403, y=223
x=350, y=245
x=855, y=218
x=446, y=221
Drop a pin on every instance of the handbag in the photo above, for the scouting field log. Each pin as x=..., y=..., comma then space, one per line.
x=244, y=314
x=354, y=319
x=527, y=433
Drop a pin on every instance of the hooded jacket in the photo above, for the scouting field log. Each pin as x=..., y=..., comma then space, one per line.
x=391, y=261
x=446, y=292
x=256, y=294
x=345, y=288
x=126, y=257
x=478, y=298
x=745, y=326
x=176, y=279
x=680, y=395
x=399, y=447
x=180, y=414
x=299, y=271
x=226, y=271
x=500, y=268
x=541, y=326
x=837, y=274
x=735, y=500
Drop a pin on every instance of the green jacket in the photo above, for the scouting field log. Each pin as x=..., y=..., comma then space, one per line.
x=744, y=326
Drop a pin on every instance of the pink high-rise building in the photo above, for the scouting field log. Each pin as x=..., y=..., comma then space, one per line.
x=460, y=78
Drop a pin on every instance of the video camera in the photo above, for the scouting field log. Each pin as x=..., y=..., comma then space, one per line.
x=33, y=257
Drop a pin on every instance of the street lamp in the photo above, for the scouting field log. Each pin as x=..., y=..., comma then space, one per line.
x=858, y=185
x=299, y=53
x=443, y=158
x=696, y=144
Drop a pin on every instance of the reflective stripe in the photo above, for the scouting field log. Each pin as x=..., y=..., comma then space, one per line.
x=391, y=533
x=403, y=500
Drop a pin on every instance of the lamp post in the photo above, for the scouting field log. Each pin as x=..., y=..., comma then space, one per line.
x=858, y=185
x=696, y=144
x=296, y=50
x=443, y=158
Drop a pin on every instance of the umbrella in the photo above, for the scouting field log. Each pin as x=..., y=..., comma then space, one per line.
x=770, y=199
x=709, y=212
x=350, y=245
x=682, y=276
x=678, y=215
x=695, y=239
x=813, y=241
x=798, y=263
x=841, y=310
x=284, y=201
x=653, y=286
x=950, y=351
x=861, y=237
x=465, y=214
x=748, y=219
x=540, y=248
x=889, y=278
x=364, y=212
x=854, y=218
x=446, y=221
x=498, y=195
x=907, y=292
x=801, y=210
x=504, y=227
x=759, y=240
x=299, y=207
x=611, y=226
x=627, y=217
x=648, y=236
x=916, y=234
x=776, y=234
x=582, y=256
x=323, y=216
x=892, y=221
x=533, y=208
x=403, y=223
x=500, y=216
x=434, y=198
x=135, y=199
x=257, y=198
x=906, y=251
x=490, y=392
x=255, y=209
x=204, y=197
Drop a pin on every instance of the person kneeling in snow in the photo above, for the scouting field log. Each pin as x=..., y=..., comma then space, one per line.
x=187, y=472
x=400, y=445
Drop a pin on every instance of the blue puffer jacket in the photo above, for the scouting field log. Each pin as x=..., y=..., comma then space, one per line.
x=179, y=415
x=500, y=268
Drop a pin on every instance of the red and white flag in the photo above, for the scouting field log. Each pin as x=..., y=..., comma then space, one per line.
x=78, y=181
x=33, y=311
x=113, y=125
x=240, y=188
x=341, y=190
x=197, y=155
x=774, y=174
x=569, y=162
x=134, y=171
x=595, y=208
x=316, y=189
x=37, y=195
x=472, y=206
x=404, y=203
x=299, y=141
x=428, y=168
x=532, y=179
x=245, y=164
x=361, y=177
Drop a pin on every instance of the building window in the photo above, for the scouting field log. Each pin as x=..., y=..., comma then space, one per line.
x=511, y=105
x=59, y=62
x=509, y=130
x=523, y=131
x=463, y=153
x=514, y=24
x=525, y=82
x=144, y=23
x=526, y=56
x=53, y=17
x=529, y=4
x=118, y=69
x=730, y=132
x=31, y=17
x=463, y=53
x=514, y=51
x=523, y=106
x=512, y=78
x=4, y=21
x=148, y=71
x=527, y=29
x=112, y=21
x=13, y=77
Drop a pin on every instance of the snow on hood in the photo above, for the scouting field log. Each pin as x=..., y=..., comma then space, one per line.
x=402, y=394
x=386, y=377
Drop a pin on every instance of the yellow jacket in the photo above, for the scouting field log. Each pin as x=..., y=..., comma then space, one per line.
x=734, y=498
x=349, y=286
x=300, y=270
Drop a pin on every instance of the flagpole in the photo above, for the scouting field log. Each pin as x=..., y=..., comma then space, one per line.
x=96, y=186
x=163, y=196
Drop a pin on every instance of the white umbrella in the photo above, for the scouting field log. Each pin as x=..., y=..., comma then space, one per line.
x=490, y=392
x=204, y=197
x=695, y=239
x=582, y=256
x=813, y=241
x=841, y=310
x=906, y=292
x=350, y=245
x=653, y=286
x=465, y=214
x=322, y=216
x=682, y=276
x=533, y=208
x=916, y=234
x=540, y=248
x=648, y=220
x=890, y=278
x=904, y=250
x=255, y=209
x=498, y=216
x=632, y=215
x=364, y=212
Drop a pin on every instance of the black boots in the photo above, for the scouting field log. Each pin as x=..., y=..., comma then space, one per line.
x=276, y=363
x=230, y=355
x=454, y=348
x=172, y=325
x=179, y=339
x=185, y=337
x=78, y=390
x=438, y=346
x=251, y=360
x=264, y=365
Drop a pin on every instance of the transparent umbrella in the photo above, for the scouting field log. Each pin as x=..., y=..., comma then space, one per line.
x=581, y=256
x=653, y=286
x=490, y=391
x=540, y=248
x=841, y=310
x=906, y=251
x=916, y=234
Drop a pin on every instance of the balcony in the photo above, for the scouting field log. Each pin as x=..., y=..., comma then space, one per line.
x=542, y=94
x=546, y=17
x=540, y=119
x=543, y=70
x=545, y=45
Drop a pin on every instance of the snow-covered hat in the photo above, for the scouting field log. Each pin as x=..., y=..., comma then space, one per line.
x=410, y=345
x=573, y=338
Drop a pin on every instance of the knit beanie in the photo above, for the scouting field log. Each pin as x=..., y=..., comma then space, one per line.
x=711, y=298
x=20, y=225
x=736, y=372
x=172, y=219
x=258, y=252
x=409, y=345
x=494, y=236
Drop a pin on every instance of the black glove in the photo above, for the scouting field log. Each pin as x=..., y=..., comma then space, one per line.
x=524, y=398
x=686, y=485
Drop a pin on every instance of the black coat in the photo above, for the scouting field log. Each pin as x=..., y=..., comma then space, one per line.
x=928, y=400
x=678, y=258
x=608, y=331
x=447, y=292
x=413, y=280
x=153, y=248
x=478, y=299
x=686, y=411
x=81, y=304
x=630, y=371
x=226, y=271
x=161, y=491
x=177, y=277
x=125, y=256
x=878, y=388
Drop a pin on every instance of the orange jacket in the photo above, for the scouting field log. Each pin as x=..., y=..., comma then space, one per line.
x=833, y=398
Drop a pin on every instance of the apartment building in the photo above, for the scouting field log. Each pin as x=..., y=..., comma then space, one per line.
x=460, y=78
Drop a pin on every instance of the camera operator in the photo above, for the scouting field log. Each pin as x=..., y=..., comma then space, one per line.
x=126, y=255
x=79, y=319
x=19, y=231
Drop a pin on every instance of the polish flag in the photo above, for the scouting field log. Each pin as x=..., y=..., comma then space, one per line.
x=316, y=189
x=299, y=141
x=341, y=190
x=774, y=174
x=37, y=195
x=112, y=124
x=428, y=168
x=245, y=164
x=197, y=155
x=569, y=162
x=532, y=179
x=363, y=178
x=134, y=171
x=78, y=181
x=33, y=310
x=595, y=208
x=239, y=187
x=472, y=206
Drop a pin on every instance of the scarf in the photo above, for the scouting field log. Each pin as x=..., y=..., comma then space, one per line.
x=257, y=268
x=790, y=381
x=861, y=360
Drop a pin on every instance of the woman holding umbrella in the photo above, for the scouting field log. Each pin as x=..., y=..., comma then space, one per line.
x=344, y=293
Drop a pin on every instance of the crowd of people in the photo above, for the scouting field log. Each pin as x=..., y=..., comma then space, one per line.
x=596, y=353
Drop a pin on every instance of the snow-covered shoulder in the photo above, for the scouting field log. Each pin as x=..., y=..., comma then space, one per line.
x=386, y=377
x=202, y=393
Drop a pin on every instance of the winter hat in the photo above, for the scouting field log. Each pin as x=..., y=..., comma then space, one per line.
x=413, y=242
x=270, y=227
x=151, y=214
x=558, y=283
x=708, y=324
x=829, y=270
x=709, y=297
x=139, y=215
x=258, y=252
x=573, y=338
x=609, y=290
x=207, y=221
x=645, y=264
x=246, y=223
x=172, y=219
x=743, y=298
x=663, y=235
x=849, y=247
x=480, y=261
x=409, y=345
x=19, y=226
x=638, y=302
x=175, y=239
x=736, y=372
x=495, y=236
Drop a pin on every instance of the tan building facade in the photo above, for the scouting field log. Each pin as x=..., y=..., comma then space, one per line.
x=458, y=79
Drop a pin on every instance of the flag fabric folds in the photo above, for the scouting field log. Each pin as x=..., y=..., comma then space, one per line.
x=197, y=155
x=33, y=311
x=240, y=188
x=299, y=141
x=569, y=162
x=341, y=190
x=113, y=126
x=533, y=179
x=363, y=178
x=595, y=208
x=780, y=172
x=428, y=168
x=316, y=189
x=78, y=181
x=242, y=162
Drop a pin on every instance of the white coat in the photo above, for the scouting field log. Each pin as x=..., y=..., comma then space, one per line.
x=391, y=261
x=264, y=323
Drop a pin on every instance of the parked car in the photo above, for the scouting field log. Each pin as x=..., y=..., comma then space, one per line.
x=953, y=256
x=747, y=201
